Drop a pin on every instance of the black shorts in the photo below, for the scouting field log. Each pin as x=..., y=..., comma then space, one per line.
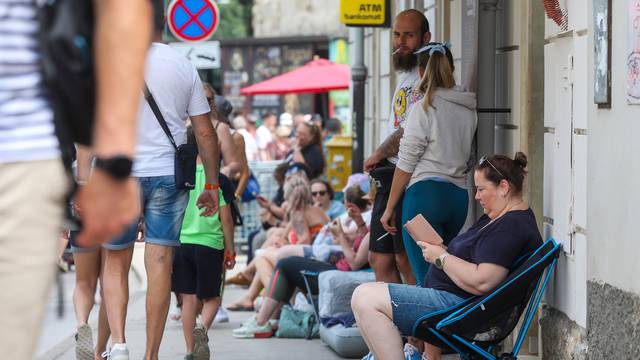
x=383, y=176
x=197, y=269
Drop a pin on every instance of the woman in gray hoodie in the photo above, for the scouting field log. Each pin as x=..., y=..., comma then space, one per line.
x=433, y=157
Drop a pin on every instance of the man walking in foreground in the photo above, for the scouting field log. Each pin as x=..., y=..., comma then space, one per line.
x=176, y=88
x=33, y=181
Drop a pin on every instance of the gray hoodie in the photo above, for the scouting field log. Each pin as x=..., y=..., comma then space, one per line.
x=437, y=142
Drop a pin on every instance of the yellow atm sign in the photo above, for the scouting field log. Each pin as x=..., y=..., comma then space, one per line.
x=374, y=13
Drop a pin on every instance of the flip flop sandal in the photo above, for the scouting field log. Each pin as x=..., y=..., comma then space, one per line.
x=237, y=307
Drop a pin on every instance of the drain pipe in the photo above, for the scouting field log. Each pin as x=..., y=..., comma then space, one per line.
x=486, y=76
x=358, y=77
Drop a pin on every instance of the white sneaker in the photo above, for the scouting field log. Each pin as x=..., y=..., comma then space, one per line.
x=84, y=343
x=221, y=316
x=175, y=314
x=251, y=329
x=118, y=352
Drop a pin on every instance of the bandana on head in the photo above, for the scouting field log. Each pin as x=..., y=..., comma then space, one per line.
x=434, y=48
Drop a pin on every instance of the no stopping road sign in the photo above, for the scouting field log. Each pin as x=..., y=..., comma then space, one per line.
x=193, y=20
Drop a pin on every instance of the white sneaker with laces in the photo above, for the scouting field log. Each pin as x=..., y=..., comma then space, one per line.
x=221, y=316
x=118, y=352
x=251, y=329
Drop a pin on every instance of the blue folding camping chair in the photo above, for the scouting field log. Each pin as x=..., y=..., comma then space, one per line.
x=474, y=327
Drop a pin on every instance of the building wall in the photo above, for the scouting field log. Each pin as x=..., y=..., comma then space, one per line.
x=272, y=18
x=613, y=321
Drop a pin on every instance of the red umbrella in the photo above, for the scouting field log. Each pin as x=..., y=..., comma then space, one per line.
x=317, y=76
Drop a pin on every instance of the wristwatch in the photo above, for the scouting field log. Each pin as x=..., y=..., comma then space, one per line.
x=439, y=263
x=118, y=167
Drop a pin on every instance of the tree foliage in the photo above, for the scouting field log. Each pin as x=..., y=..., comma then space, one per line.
x=235, y=19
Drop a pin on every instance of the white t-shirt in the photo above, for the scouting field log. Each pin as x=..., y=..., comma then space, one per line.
x=404, y=97
x=250, y=146
x=263, y=137
x=177, y=89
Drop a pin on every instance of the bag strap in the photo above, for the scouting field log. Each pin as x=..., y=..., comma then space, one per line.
x=156, y=111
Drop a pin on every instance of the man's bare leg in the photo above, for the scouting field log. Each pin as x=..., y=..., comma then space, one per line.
x=87, y=272
x=158, y=261
x=404, y=267
x=116, y=290
x=384, y=267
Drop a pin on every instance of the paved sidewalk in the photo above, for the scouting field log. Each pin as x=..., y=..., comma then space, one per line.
x=224, y=345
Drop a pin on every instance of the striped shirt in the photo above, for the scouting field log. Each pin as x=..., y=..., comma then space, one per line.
x=27, y=131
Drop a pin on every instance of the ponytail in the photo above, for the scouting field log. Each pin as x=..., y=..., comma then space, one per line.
x=439, y=73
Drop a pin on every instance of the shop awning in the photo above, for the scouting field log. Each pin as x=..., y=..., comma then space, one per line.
x=317, y=76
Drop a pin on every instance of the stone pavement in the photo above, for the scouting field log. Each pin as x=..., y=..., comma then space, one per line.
x=224, y=345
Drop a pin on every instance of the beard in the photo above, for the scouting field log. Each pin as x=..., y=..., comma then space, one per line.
x=405, y=62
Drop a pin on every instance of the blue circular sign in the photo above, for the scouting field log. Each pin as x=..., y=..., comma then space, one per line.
x=193, y=20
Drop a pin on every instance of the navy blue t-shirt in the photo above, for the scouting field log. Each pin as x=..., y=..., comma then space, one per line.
x=502, y=242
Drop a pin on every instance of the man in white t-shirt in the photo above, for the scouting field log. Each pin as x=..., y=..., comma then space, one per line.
x=387, y=255
x=264, y=135
x=177, y=89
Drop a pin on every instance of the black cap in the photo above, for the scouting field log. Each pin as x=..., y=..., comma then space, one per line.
x=224, y=107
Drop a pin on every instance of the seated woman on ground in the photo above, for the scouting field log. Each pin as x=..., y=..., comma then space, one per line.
x=358, y=211
x=304, y=222
x=474, y=263
x=323, y=197
x=286, y=276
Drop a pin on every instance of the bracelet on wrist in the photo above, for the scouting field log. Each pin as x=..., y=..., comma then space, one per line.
x=210, y=186
x=229, y=256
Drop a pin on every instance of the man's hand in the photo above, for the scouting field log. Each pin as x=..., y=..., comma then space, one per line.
x=108, y=207
x=372, y=162
x=208, y=200
x=388, y=221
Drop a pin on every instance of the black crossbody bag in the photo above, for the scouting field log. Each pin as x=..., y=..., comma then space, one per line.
x=184, y=165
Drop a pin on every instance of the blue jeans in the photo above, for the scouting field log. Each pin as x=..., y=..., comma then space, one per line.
x=163, y=209
x=409, y=303
x=444, y=205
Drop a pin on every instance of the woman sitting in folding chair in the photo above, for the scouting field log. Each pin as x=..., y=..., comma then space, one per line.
x=474, y=263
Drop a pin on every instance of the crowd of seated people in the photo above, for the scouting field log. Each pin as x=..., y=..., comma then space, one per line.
x=306, y=230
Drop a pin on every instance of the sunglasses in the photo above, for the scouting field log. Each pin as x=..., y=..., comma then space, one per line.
x=486, y=159
x=316, y=193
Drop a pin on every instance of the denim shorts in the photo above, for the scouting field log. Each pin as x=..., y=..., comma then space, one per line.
x=163, y=209
x=409, y=303
x=77, y=248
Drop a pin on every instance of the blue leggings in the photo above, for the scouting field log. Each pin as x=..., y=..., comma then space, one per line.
x=444, y=205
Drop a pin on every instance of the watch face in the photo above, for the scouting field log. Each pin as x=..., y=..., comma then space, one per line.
x=121, y=167
x=118, y=166
x=438, y=263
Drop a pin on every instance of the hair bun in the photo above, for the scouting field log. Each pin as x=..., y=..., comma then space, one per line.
x=520, y=159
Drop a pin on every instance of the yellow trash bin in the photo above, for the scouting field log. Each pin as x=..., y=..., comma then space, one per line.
x=338, y=161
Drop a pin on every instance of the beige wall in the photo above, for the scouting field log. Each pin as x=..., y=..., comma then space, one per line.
x=273, y=18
